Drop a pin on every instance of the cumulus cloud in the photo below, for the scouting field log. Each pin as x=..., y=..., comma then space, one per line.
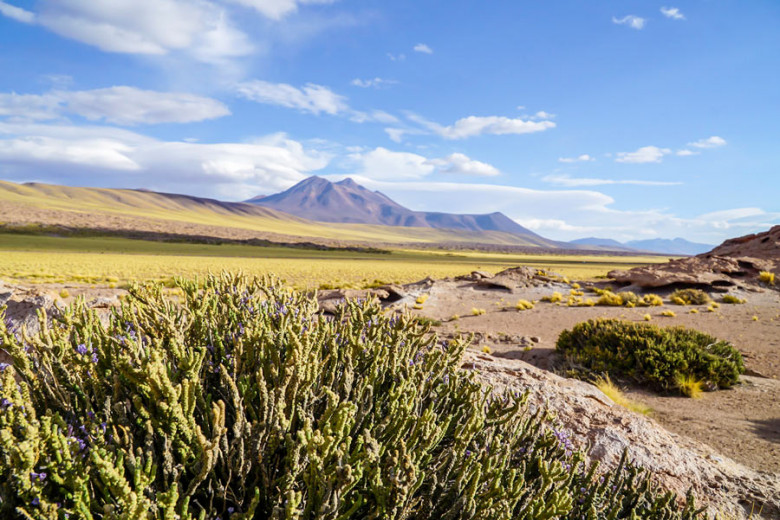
x=573, y=182
x=157, y=27
x=120, y=105
x=475, y=125
x=635, y=22
x=277, y=9
x=580, y=158
x=646, y=154
x=710, y=142
x=686, y=153
x=311, y=98
x=111, y=156
x=372, y=83
x=673, y=13
x=384, y=164
x=461, y=164
x=423, y=48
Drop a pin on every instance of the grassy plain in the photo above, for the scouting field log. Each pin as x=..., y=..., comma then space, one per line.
x=107, y=260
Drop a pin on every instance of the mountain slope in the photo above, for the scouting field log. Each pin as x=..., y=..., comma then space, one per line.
x=677, y=246
x=142, y=210
x=346, y=201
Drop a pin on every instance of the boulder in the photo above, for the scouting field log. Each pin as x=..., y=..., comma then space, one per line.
x=592, y=420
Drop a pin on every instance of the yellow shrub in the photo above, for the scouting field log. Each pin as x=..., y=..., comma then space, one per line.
x=486, y=349
x=767, y=277
x=610, y=299
x=422, y=299
x=523, y=305
x=730, y=298
x=576, y=293
x=668, y=314
x=694, y=311
x=477, y=312
x=690, y=386
x=553, y=298
x=575, y=286
x=64, y=294
x=652, y=300
x=647, y=317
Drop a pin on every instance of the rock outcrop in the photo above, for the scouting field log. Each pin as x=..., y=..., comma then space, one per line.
x=735, y=263
x=593, y=420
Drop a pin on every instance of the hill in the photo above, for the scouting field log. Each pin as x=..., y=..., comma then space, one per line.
x=346, y=201
x=677, y=246
x=127, y=210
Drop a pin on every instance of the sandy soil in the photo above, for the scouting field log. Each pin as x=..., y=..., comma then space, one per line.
x=742, y=423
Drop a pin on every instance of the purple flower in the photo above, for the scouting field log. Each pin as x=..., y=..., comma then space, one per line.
x=5, y=403
x=94, y=357
x=36, y=502
x=81, y=349
x=3, y=366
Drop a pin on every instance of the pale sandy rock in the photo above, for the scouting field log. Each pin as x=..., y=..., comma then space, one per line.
x=594, y=420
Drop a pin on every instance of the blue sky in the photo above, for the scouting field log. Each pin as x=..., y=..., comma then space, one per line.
x=625, y=119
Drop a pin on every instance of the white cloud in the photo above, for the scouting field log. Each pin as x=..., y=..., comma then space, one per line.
x=461, y=164
x=119, y=105
x=673, y=13
x=311, y=98
x=646, y=154
x=572, y=182
x=423, y=48
x=635, y=22
x=277, y=9
x=372, y=83
x=396, y=57
x=111, y=156
x=199, y=28
x=383, y=164
x=396, y=134
x=580, y=158
x=16, y=13
x=710, y=142
x=686, y=153
x=474, y=125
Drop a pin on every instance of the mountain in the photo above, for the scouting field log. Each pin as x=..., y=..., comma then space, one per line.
x=677, y=246
x=346, y=201
x=606, y=243
x=144, y=211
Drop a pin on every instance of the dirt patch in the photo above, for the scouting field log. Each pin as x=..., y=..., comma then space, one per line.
x=742, y=423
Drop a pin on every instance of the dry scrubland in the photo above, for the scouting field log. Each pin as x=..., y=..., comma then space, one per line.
x=100, y=260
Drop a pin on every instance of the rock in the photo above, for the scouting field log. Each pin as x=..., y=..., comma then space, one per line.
x=514, y=278
x=102, y=302
x=592, y=419
x=736, y=262
x=22, y=311
x=474, y=276
x=535, y=339
x=330, y=299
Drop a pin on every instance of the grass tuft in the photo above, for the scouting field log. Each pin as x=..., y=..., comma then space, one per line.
x=611, y=390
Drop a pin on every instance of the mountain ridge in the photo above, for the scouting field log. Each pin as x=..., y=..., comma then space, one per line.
x=670, y=246
x=346, y=201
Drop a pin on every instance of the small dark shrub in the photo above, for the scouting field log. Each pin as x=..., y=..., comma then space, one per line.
x=656, y=356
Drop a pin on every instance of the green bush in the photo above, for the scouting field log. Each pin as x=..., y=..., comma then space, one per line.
x=689, y=297
x=241, y=402
x=651, y=355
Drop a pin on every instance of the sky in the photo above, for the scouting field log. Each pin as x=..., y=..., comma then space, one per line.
x=623, y=119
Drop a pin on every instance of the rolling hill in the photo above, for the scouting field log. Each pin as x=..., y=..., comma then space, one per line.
x=147, y=211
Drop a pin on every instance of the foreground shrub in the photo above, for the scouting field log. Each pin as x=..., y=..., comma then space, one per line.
x=689, y=297
x=241, y=402
x=651, y=355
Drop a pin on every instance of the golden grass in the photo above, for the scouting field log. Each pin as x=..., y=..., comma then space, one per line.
x=690, y=386
x=611, y=390
x=101, y=260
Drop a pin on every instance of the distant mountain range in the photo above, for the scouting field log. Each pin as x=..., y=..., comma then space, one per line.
x=346, y=201
x=677, y=246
